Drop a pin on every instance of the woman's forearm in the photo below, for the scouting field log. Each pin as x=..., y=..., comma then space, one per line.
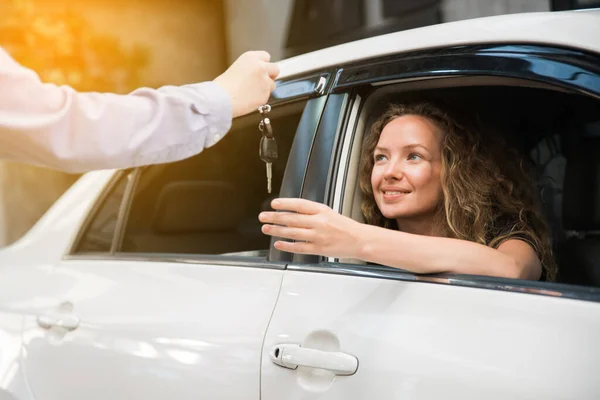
x=428, y=254
x=316, y=229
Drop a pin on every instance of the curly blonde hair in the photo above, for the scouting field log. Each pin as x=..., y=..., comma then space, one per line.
x=488, y=195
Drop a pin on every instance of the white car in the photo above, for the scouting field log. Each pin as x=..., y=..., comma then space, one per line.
x=157, y=283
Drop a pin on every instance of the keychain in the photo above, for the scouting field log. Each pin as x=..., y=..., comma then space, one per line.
x=268, y=146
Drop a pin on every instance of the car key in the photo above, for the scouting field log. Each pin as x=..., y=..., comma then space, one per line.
x=268, y=153
x=268, y=146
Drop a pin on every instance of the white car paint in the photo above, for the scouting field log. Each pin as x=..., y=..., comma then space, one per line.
x=160, y=329
x=26, y=268
x=422, y=341
x=146, y=330
x=151, y=331
x=575, y=29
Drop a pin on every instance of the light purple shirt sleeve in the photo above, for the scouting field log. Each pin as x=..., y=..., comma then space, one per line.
x=57, y=127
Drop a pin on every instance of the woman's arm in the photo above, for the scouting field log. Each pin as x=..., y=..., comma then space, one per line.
x=325, y=232
x=428, y=254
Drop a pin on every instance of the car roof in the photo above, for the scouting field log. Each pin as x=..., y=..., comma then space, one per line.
x=574, y=29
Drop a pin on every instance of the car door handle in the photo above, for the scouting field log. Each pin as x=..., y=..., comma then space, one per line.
x=65, y=321
x=293, y=355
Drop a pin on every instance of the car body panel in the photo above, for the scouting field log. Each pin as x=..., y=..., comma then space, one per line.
x=419, y=340
x=160, y=328
x=26, y=271
x=571, y=29
x=150, y=330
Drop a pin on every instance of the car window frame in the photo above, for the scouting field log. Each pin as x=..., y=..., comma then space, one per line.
x=117, y=177
x=415, y=67
x=321, y=157
x=579, y=70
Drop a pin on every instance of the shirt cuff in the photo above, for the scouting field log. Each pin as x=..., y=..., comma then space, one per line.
x=217, y=109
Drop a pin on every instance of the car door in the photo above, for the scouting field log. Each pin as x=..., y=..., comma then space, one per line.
x=167, y=293
x=26, y=268
x=124, y=328
x=346, y=330
x=149, y=326
x=386, y=335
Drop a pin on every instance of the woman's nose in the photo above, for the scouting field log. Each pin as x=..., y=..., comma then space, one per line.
x=394, y=171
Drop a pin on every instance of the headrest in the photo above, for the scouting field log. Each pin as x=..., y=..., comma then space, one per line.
x=195, y=206
x=581, y=189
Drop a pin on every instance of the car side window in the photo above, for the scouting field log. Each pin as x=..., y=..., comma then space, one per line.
x=562, y=147
x=98, y=236
x=209, y=204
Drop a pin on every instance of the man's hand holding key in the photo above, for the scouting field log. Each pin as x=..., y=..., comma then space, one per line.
x=249, y=81
x=61, y=128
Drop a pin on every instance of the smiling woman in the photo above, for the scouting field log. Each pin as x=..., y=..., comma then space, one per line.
x=401, y=169
x=429, y=183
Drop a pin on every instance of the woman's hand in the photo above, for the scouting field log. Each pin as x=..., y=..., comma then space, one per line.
x=316, y=228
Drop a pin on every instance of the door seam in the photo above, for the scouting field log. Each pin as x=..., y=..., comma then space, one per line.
x=262, y=347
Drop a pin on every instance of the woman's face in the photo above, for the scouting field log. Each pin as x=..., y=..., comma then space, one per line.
x=406, y=174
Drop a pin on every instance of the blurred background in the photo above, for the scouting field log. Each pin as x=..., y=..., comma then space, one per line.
x=117, y=46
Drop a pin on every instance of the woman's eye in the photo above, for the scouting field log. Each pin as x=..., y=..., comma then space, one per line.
x=414, y=156
x=379, y=157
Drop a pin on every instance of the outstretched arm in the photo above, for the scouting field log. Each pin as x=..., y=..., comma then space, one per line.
x=61, y=128
x=319, y=230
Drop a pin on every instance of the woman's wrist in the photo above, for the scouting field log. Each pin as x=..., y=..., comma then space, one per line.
x=365, y=238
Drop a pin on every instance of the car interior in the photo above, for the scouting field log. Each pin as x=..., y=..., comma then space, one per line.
x=556, y=129
x=209, y=204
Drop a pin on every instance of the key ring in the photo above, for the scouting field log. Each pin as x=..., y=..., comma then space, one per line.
x=264, y=109
x=265, y=122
